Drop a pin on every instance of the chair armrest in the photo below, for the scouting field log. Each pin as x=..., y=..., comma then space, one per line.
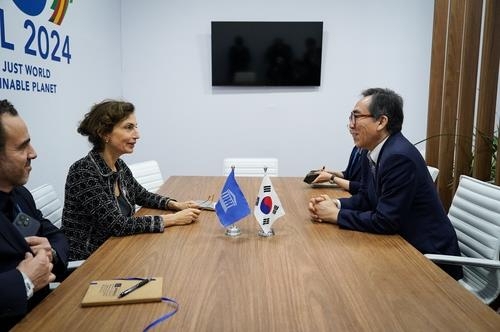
x=73, y=265
x=460, y=260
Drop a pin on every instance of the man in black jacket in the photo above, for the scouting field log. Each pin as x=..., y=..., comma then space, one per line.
x=28, y=263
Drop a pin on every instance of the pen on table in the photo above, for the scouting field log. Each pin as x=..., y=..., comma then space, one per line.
x=133, y=288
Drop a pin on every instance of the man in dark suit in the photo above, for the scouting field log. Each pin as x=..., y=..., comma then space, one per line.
x=397, y=194
x=27, y=263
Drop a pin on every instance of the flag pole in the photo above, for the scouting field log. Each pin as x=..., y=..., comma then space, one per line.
x=232, y=230
x=261, y=231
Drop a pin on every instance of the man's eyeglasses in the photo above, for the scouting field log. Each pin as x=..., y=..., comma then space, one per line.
x=353, y=117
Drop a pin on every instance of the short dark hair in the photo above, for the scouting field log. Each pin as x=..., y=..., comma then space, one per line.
x=386, y=102
x=102, y=118
x=5, y=108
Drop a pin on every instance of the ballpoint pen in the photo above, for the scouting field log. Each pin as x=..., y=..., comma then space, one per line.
x=133, y=288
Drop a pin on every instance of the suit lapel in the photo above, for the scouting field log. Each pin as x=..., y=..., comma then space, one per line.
x=380, y=160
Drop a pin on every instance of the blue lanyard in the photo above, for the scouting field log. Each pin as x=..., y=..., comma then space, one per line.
x=166, y=316
x=163, y=299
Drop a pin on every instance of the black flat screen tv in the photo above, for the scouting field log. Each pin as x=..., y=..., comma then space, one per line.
x=266, y=53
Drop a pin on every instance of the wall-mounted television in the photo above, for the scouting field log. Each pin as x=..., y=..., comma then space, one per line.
x=266, y=53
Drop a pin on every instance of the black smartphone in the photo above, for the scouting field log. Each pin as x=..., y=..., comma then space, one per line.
x=26, y=225
x=311, y=176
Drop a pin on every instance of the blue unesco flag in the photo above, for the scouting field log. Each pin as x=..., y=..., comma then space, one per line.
x=232, y=205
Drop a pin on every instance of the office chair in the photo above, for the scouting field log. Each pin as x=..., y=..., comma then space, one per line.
x=148, y=174
x=47, y=201
x=251, y=166
x=475, y=214
x=434, y=172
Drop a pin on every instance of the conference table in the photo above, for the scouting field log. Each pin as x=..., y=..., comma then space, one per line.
x=307, y=277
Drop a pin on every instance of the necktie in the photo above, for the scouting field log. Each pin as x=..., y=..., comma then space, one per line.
x=372, y=166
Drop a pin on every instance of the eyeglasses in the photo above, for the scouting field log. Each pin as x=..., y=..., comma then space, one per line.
x=353, y=117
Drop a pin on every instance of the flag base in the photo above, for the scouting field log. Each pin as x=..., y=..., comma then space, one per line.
x=266, y=234
x=233, y=230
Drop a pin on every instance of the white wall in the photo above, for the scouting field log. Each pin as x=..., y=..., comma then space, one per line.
x=156, y=54
x=94, y=73
x=189, y=126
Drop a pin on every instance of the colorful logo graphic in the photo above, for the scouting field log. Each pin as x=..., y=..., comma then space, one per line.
x=59, y=7
x=266, y=205
x=31, y=8
x=35, y=8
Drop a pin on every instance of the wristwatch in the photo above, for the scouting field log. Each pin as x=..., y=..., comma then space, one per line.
x=331, y=179
x=30, y=288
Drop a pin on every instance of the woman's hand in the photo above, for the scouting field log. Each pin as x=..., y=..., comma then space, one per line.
x=178, y=206
x=184, y=217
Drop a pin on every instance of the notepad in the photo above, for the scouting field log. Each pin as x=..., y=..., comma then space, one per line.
x=206, y=205
x=105, y=292
x=324, y=185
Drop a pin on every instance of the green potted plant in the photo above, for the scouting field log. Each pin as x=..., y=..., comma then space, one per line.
x=492, y=143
